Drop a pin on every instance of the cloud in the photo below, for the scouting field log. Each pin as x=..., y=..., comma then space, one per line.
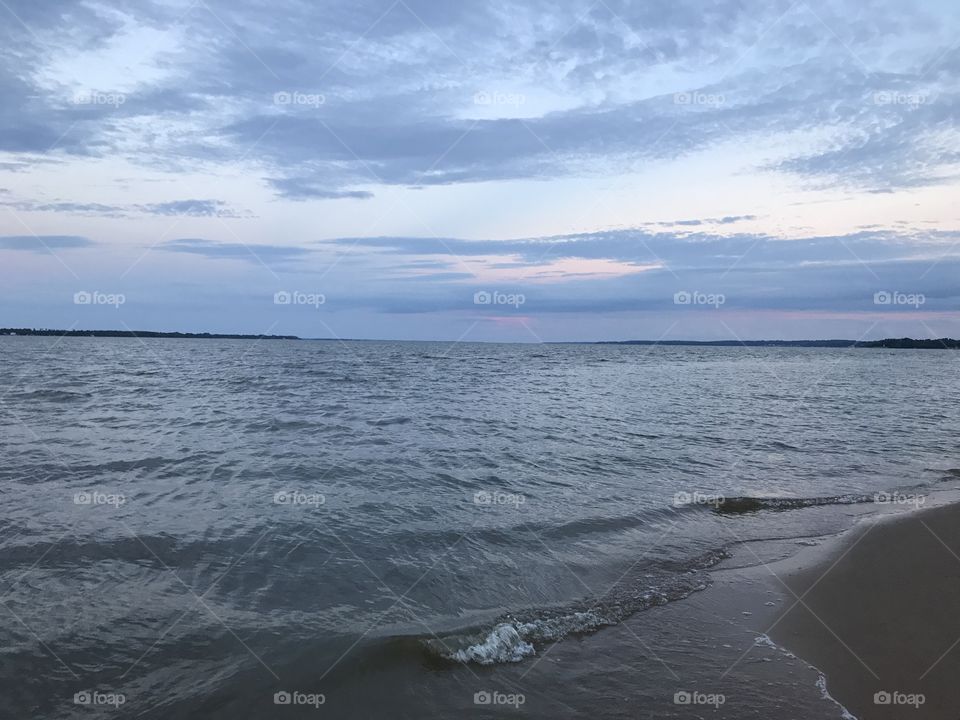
x=296, y=101
x=73, y=208
x=260, y=254
x=389, y=93
x=753, y=271
x=193, y=208
x=44, y=243
x=305, y=189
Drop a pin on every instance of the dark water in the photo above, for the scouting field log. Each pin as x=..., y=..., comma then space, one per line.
x=393, y=528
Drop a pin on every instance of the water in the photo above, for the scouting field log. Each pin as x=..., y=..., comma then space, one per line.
x=393, y=528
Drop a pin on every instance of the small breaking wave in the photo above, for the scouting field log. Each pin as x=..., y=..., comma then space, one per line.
x=746, y=504
x=514, y=638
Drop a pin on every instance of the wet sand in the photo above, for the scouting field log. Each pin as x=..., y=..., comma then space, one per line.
x=879, y=614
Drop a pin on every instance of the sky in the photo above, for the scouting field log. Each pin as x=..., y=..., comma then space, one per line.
x=482, y=171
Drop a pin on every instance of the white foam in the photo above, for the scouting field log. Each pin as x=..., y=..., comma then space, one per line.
x=821, y=678
x=503, y=644
x=822, y=686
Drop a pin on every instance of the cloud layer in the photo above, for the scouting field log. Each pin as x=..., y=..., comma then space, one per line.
x=404, y=153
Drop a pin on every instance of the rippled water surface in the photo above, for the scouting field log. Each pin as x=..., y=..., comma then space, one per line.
x=199, y=524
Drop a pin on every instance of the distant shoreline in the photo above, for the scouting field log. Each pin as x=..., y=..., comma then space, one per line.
x=889, y=343
x=29, y=332
x=893, y=343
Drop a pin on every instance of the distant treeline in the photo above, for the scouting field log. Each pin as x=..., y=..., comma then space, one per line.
x=908, y=343
x=139, y=334
x=901, y=343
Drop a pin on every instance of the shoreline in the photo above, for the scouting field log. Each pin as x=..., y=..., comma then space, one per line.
x=886, y=343
x=876, y=612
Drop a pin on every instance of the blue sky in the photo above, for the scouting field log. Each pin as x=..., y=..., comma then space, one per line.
x=517, y=171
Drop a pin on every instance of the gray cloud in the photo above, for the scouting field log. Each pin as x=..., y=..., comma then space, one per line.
x=823, y=273
x=191, y=208
x=699, y=250
x=397, y=82
x=194, y=208
x=44, y=243
x=261, y=254
x=300, y=189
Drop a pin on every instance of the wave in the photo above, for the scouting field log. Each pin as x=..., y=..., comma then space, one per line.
x=56, y=396
x=746, y=504
x=515, y=637
x=385, y=422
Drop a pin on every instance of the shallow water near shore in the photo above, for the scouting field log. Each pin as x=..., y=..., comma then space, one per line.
x=413, y=529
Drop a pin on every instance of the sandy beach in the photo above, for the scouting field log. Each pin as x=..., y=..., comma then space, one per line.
x=878, y=614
